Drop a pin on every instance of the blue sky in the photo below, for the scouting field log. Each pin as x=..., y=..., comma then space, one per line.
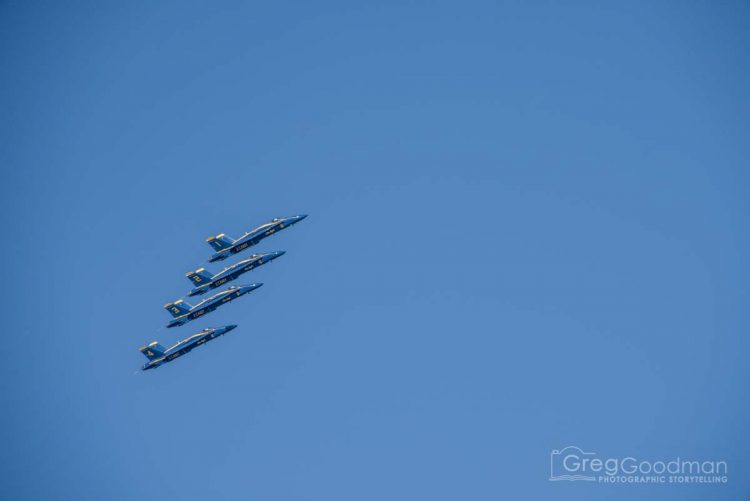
x=526, y=231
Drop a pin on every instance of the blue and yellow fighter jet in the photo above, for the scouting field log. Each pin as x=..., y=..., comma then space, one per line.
x=205, y=281
x=157, y=355
x=184, y=312
x=226, y=246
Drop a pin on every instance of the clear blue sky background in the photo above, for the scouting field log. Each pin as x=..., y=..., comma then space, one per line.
x=528, y=229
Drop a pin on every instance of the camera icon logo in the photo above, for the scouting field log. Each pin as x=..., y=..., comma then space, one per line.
x=565, y=464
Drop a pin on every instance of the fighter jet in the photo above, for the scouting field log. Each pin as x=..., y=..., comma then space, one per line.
x=205, y=281
x=184, y=312
x=226, y=246
x=157, y=355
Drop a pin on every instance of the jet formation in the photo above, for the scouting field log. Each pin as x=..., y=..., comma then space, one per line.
x=205, y=281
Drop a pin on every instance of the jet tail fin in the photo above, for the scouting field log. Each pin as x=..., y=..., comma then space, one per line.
x=178, y=308
x=220, y=242
x=199, y=276
x=153, y=350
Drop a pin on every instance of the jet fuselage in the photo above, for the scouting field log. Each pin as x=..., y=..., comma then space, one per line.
x=233, y=272
x=184, y=346
x=210, y=304
x=255, y=236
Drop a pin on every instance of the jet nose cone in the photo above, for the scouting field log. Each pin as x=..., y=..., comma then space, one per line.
x=230, y=328
x=279, y=253
x=296, y=219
